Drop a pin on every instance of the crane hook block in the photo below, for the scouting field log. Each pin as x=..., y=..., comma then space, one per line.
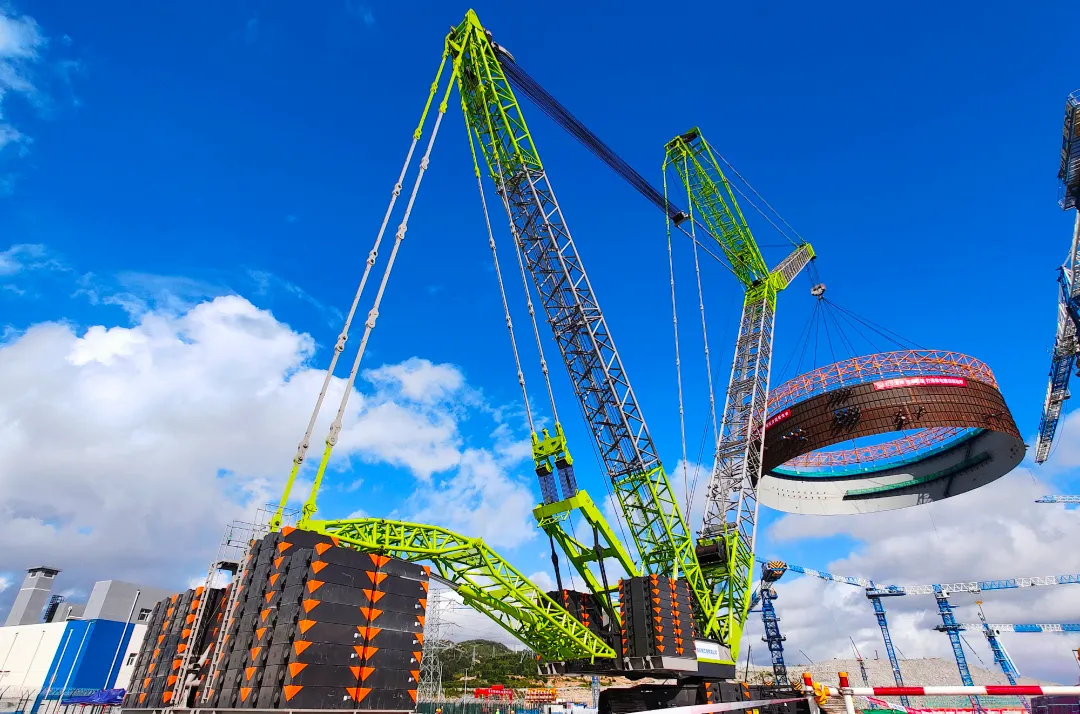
x=818, y=290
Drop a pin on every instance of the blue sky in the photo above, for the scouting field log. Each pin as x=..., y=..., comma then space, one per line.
x=171, y=153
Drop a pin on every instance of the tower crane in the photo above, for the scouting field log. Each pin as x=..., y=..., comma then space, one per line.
x=1058, y=499
x=1066, y=346
x=941, y=593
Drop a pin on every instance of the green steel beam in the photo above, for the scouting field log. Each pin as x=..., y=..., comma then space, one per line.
x=483, y=579
x=582, y=554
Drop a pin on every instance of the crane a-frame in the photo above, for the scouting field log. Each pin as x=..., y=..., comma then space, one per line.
x=662, y=540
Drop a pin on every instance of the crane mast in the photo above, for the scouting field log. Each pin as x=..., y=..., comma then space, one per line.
x=596, y=371
x=1066, y=345
x=729, y=528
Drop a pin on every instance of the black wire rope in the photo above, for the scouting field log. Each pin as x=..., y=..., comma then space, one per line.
x=562, y=116
x=828, y=335
x=883, y=331
x=803, y=333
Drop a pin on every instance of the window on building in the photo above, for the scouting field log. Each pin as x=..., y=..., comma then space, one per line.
x=131, y=659
x=144, y=614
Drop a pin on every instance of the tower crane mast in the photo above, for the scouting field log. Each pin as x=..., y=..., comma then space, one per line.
x=1066, y=345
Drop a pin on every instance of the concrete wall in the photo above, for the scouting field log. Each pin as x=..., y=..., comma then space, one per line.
x=27, y=653
x=112, y=600
x=127, y=658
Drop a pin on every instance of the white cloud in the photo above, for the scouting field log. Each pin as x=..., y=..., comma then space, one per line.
x=995, y=532
x=418, y=380
x=481, y=499
x=125, y=450
x=20, y=42
x=24, y=257
x=542, y=580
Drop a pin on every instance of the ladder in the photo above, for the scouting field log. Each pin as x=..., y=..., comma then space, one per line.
x=232, y=554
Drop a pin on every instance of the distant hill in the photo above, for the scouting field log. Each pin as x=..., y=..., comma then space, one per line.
x=486, y=663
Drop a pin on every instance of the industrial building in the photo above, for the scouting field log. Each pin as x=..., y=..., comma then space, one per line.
x=50, y=649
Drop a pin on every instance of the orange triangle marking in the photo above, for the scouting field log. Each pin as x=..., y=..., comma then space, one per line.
x=370, y=652
x=296, y=668
x=286, y=530
x=176, y=663
x=420, y=637
x=660, y=647
x=244, y=692
x=314, y=585
x=372, y=631
x=265, y=614
x=305, y=625
x=185, y=633
x=373, y=595
x=659, y=638
x=321, y=548
x=427, y=571
x=415, y=674
x=359, y=650
x=282, y=547
x=412, y=693
x=166, y=697
x=290, y=691
x=260, y=632
x=249, y=672
x=420, y=618
x=181, y=648
x=318, y=565
x=358, y=693
x=425, y=586
x=376, y=578
x=371, y=613
x=423, y=604
x=336, y=540
x=278, y=561
x=309, y=605
x=270, y=596
x=418, y=656
x=151, y=667
x=362, y=673
x=171, y=680
x=274, y=577
x=142, y=697
x=146, y=682
x=159, y=639
x=300, y=645
x=255, y=652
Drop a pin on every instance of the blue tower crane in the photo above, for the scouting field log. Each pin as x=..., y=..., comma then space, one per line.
x=1066, y=345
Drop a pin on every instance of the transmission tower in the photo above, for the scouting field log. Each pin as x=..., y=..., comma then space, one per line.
x=436, y=641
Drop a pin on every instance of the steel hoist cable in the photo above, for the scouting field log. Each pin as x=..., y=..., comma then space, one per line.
x=343, y=337
x=498, y=277
x=678, y=361
x=310, y=505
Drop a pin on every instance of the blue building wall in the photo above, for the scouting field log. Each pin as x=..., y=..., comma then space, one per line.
x=84, y=660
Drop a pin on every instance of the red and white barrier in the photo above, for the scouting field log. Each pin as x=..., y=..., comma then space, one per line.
x=849, y=693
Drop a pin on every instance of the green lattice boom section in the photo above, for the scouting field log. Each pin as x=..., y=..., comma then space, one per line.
x=483, y=579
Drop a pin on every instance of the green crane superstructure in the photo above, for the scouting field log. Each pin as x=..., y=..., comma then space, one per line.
x=729, y=527
x=663, y=543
